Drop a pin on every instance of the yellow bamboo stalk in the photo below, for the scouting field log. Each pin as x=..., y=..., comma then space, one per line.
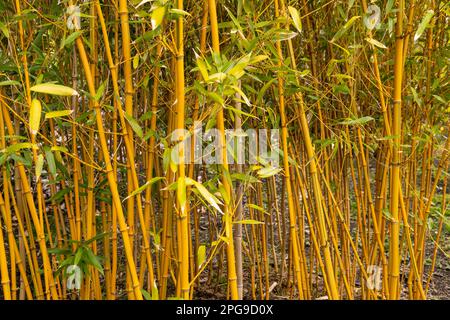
x=183, y=215
x=232, y=278
x=110, y=173
x=394, y=256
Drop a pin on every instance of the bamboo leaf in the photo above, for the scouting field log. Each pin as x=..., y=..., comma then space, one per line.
x=240, y=112
x=282, y=35
x=202, y=68
x=344, y=29
x=95, y=238
x=78, y=256
x=17, y=146
x=256, y=59
x=136, y=61
x=4, y=29
x=295, y=18
x=54, y=89
x=245, y=177
x=157, y=16
x=423, y=24
x=179, y=12
x=71, y=38
x=155, y=292
x=146, y=295
x=35, y=116
x=92, y=258
x=254, y=206
x=358, y=121
x=376, y=43
x=201, y=255
x=39, y=165
x=242, y=95
x=268, y=172
x=59, y=148
x=143, y=187
x=248, y=222
x=100, y=91
x=58, y=114
x=64, y=251
x=9, y=83
x=211, y=199
x=134, y=125
x=51, y=162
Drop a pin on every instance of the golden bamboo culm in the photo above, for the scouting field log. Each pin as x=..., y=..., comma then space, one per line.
x=213, y=149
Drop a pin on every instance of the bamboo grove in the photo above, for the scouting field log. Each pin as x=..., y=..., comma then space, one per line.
x=93, y=206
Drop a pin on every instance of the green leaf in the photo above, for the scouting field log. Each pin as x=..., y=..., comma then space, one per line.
x=248, y=222
x=268, y=172
x=92, y=259
x=376, y=43
x=78, y=256
x=100, y=91
x=71, y=38
x=57, y=197
x=63, y=251
x=282, y=35
x=4, y=29
x=225, y=195
x=59, y=148
x=244, y=177
x=217, y=77
x=18, y=146
x=134, y=125
x=95, y=238
x=57, y=114
x=143, y=187
x=136, y=61
x=211, y=199
x=202, y=68
x=242, y=95
x=35, y=116
x=440, y=99
x=51, y=162
x=240, y=112
x=346, y=26
x=146, y=295
x=258, y=58
x=54, y=89
x=157, y=16
x=423, y=24
x=3, y=158
x=416, y=96
x=179, y=12
x=295, y=18
x=359, y=121
x=254, y=206
x=9, y=83
x=389, y=5
x=39, y=165
x=201, y=255
x=263, y=90
x=341, y=88
x=155, y=293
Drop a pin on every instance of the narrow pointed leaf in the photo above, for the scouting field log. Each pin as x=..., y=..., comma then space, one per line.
x=54, y=89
